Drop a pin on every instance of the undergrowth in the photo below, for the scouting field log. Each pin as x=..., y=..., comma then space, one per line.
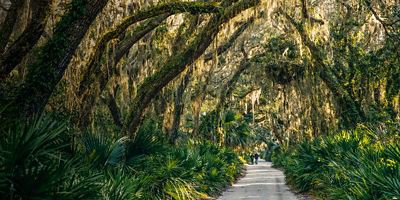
x=362, y=164
x=45, y=160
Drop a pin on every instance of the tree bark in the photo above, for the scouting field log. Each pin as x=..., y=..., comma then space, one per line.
x=113, y=107
x=53, y=59
x=17, y=51
x=176, y=64
x=8, y=25
x=179, y=105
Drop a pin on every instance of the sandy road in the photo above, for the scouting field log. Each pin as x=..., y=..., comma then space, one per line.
x=260, y=182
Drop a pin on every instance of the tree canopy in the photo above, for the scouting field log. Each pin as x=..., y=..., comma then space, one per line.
x=236, y=73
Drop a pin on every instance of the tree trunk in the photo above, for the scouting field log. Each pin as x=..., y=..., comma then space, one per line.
x=176, y=64
x=54, y=57
x=179, y=105
x=113, y=107
x=17, y=51
x=8, y=25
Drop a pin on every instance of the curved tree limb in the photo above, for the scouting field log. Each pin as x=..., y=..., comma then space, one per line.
x=92, y=85
x=170, y=8
x=176, y=64
x=95, y=77
x=227, y=89
x=200, y=93
x=181, y=39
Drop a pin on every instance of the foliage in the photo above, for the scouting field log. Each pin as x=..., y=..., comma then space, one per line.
x=40, y=161
x=348, y=165
x=35, y=164
x=236, y=130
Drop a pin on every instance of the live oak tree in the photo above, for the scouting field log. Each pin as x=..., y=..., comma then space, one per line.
x=176, y=64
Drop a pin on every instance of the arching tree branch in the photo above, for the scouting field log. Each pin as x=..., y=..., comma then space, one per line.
x=176, y=64
x=93, y=84
x=96, y=77
x=227, y=89
x=168, y=8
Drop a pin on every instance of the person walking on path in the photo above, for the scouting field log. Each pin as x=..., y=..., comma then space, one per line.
x=252, y=159
x=256, y=157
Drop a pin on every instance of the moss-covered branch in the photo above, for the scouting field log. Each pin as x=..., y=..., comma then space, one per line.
x=181, y=38
x=95, y=80
x=201, y=92
x=176, y=64
x=92, y=84
x=167, y=8
x=16, y=52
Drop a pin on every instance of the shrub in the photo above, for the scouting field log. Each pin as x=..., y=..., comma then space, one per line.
x=348, y=165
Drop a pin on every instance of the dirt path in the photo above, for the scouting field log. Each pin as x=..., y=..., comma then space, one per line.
x=260, y=182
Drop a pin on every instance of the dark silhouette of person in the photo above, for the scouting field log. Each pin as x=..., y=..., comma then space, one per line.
x=256, y=157
x=252, y=158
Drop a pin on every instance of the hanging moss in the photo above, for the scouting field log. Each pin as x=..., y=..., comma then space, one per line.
x=176, y=64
